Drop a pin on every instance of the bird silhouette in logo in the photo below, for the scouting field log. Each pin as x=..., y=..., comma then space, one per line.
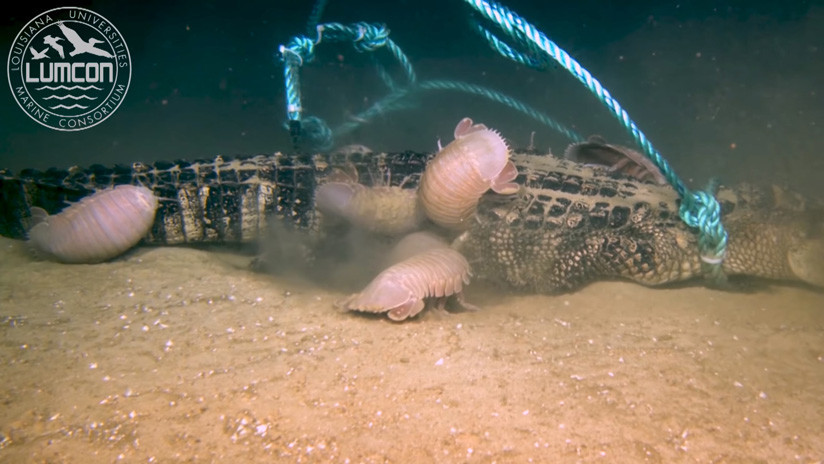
x=52, y=42
x=38, y=55
x=80, y=45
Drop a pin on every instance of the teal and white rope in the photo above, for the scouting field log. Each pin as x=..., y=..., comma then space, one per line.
x=368, y=38
x=698, y=209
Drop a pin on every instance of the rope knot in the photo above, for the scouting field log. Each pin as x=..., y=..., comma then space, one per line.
x=369, y=37
x=299, y=50
x=701, y=210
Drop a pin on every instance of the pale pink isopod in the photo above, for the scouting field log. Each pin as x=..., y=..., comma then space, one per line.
x=461, y=172
x=400, y=290
x=382, y=210
x=98, y=227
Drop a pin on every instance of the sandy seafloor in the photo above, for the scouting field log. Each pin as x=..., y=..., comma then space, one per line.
x=175, y=354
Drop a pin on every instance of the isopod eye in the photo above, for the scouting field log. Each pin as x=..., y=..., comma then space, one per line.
x=409, y=309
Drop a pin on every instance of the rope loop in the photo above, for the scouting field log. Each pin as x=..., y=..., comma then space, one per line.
x=299, y=50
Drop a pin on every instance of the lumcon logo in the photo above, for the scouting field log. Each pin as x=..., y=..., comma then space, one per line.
x=69, y=69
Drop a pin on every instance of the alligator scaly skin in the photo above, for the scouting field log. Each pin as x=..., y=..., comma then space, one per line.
x=571, y=224
x=574, y=224
x=222, y=200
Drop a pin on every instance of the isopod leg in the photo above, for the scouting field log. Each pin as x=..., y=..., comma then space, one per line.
x=440, y=304
x=465, y=305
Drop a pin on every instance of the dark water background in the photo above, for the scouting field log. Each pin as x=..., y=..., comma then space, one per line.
x=728, y=89
x=173, y=353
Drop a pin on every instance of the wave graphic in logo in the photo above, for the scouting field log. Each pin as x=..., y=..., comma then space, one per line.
x=69, y=107
x=74, y=97
x=74, y=87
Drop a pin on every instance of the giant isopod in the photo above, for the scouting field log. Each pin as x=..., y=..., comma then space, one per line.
x=98, y=227
x=617, y=159
x=413, y=244
x=382, y=210
x=454, y=181
x=400, y=290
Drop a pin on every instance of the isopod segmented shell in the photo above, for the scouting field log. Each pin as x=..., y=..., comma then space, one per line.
x=461, y=172
x=414, y=244
x=99, y=227
x=616, y=158
x=382, y=210
x=433, y=271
